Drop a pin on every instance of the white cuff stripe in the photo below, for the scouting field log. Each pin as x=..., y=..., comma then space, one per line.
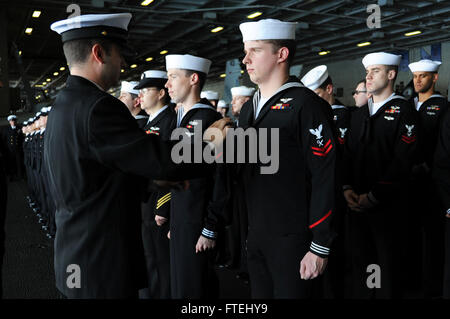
x=209, y=233
x=320, y=249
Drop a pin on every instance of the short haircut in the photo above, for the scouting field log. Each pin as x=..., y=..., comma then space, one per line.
x=201, y=77
x=324, y=85
x=290, y=44
x=392, y=67
x=77, y=51
x=361, y=81
x=166, y=96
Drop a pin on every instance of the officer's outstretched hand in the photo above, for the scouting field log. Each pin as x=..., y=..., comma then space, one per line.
x=312, y=266
x=217, y=131
x=160, y=220
x=203, y=244
x=352, y=199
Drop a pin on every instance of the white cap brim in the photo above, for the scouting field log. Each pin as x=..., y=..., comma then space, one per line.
x=129, y=87
x=425, y=66
x=210, y=95
x=187, y=62
x=267, y=29
x=381, y=58
x=242, y=91
x=116, y=20
x=315, y=77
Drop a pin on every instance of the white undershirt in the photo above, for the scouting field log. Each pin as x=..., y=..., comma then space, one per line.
x=418, y=105
x=376, y=106
x=261, y=103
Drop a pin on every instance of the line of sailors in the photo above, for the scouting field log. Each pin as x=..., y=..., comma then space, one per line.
x=160, y=119
x=363, y=238
x=39, y=198
x=295, y=217
x=11, y=146
x=428, y=224
x=413, y=213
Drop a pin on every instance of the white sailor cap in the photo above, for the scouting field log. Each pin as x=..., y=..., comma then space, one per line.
x=129, y=87
x=222, y=103
x=425, y=66
x=152, y=78
x=100, y=26
x=187, y=62
x=381, y=58
x=242, y=91
x=267, y=29
x=315, y=77
x=11, y=118
x=210, y=95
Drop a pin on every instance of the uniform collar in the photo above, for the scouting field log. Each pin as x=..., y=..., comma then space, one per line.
x=181, y=114
x=154, y=116
x=291, y=82
x=74, y=77
x=379, y=105
x=337, y=105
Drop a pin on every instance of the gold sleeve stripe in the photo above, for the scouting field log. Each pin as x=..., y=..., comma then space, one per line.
x=164, y=197
x=162, y=203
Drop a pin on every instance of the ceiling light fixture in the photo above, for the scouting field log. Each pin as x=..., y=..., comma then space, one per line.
x=254, y=15
x=146, y=2
x=413, y=33
x=218, y=29
x=363, y=44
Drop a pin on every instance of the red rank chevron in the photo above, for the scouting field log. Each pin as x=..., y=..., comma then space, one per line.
x=341, y=140
x=408, y=139
x=322, y=151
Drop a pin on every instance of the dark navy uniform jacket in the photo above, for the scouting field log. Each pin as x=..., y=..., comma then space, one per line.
x=159, y=201
x=299, y=199
x=381, y=149
x=93, y=152
x=441, y=169
x=430, y=116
